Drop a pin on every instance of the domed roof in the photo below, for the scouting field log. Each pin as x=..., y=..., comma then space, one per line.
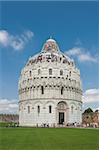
x=50, y=46
x=50, y=52
x=51, y=40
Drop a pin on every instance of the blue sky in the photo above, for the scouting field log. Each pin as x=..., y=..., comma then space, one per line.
x=74, y=25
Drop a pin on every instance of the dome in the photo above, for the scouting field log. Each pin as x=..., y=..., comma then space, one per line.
x=50, y=53
x=51, y=40
x=50, y=90
x=50, y=46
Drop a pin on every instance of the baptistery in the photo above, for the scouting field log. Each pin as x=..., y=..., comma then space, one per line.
x=50, y=89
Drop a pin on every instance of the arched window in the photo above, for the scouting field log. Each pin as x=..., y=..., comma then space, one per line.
x=28, y=109
x=61, y=72
x=62, y=106
x=50, y=71
x=38, y=109
x=70, y=73
x=42, y=89
x=62, y=88
x=50, y=109
x=39, y=71
x=72, y=109
x=30, y=73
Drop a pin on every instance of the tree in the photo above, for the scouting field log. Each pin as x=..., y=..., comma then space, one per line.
x=97, y=111
x=88, y=111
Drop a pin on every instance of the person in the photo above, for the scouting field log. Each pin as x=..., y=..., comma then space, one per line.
x=48, y=125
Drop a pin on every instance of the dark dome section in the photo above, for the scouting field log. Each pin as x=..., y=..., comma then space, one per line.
x=50, y=46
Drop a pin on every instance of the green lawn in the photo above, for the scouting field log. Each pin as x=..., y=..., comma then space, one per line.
x=48, y=139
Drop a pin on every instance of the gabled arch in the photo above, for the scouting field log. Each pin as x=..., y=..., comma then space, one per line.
x=62, y=105
x=38, y=102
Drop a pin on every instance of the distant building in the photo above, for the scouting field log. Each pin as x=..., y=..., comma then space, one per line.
x=91, y=119
x=9, y=118
x=50, y=91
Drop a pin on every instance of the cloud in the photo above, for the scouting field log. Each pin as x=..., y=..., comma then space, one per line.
x=91, y=99
x=8, y=106
x=4, y=37
x=82, y=55
x=94, y=109
x=29, y=34
x=17, y=42
x=91, y=96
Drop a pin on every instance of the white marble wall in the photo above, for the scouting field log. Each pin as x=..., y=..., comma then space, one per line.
x=30, y=93
x=33, y=118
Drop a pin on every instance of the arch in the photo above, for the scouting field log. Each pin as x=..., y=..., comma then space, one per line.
x=61, y=72
x=69, y=73
x=62, y=102
x=50, y=108
x=74, y=106
x=72, y=102
x=28, y=107
x=39, y=71
x=50, y=71
x=21, y=106
x=38, y=106
x=49, y=102
x=28, y=103
x=62, y=112
x=42, y=89
x=38, y=109
x=38, y=102
x=79, y=106
x=73, y=112
x=62, y=105
x=62, y=89
x=30, y=73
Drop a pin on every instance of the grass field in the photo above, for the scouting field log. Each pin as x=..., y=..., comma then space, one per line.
x=48, y=139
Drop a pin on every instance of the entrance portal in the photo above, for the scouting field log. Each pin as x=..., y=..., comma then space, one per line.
x=61, y=117
x=61, y=112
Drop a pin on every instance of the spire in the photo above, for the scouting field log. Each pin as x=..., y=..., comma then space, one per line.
x=50, y=37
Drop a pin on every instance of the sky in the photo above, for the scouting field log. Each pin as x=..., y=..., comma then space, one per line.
x=25, y=26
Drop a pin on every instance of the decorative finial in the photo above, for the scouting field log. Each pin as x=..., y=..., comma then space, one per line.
x=50, y=37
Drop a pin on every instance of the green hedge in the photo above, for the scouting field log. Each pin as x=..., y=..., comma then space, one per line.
x=7, y=124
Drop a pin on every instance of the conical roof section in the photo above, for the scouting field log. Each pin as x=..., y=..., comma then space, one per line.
x=50, y=46
x=50, y=53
